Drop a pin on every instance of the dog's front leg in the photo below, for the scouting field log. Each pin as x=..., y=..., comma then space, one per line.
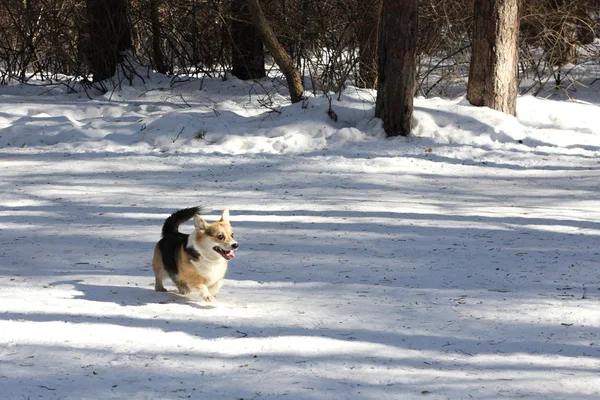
x=204, y=293
x=214, y=289
x=182, y=286
x=196, y=282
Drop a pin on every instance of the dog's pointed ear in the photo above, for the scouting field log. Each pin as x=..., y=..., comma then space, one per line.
x=199, y=223
x=225, y=215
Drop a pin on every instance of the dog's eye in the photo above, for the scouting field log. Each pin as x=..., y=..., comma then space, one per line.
x=232, y=235
x=221, y=237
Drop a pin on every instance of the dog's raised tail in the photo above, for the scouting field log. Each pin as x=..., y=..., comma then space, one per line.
x=171, y=225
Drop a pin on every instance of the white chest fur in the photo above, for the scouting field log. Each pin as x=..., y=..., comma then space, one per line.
x=212, y=271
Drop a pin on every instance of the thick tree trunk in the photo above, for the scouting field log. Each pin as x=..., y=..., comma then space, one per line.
x=281, y=57
x=29, y=33
x=367, y=43
x=109, y=36
x=195, y=34
x=493, y=75
x=398, y=29
x=157, y=54
x=247, y=54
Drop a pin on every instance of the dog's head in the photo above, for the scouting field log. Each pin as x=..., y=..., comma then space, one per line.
x=216, y=239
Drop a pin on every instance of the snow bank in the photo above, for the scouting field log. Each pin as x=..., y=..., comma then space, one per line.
x=223, y=117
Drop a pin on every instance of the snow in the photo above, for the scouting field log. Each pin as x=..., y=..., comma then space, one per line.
x=459, y=263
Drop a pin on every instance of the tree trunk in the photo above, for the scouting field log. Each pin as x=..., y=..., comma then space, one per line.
x=493, y=74
x=247, y=54
x=157, y=54
x=367, y=43
x=398, y=30
x=29, y=32
x=109, y=36
x=281, y=57
x=195, y=35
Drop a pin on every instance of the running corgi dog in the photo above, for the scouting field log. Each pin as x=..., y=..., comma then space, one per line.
x=196, y=262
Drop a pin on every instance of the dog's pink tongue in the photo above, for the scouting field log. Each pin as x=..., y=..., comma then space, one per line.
x=229, y=255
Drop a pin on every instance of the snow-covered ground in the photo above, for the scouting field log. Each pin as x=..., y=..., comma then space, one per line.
x=460, y=263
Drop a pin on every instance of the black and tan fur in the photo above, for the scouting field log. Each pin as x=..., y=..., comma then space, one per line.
x=196, y=262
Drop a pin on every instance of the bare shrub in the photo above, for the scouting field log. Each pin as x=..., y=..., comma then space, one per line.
x=50, y=39
x=182, y=36
x=40, y=37
x=554, y=37
x=444, y=41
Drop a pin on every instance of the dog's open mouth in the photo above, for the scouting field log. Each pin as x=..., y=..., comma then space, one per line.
x=226, y=254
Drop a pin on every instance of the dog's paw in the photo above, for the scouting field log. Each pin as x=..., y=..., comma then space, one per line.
x=208, y=298
x=183, y=288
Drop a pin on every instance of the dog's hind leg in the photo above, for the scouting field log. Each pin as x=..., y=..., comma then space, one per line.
x=159, y=271
x=158, y=285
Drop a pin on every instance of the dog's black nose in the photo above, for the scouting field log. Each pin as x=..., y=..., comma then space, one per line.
x=235, y=246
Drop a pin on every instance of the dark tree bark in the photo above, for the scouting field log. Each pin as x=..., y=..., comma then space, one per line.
x=281, y=57
x=367, y=43
x=157, y=54
x=195, y=33
x=398, y=28
x=247, y=54
x=493, y=74
x=29, y=32
x=109, y=36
